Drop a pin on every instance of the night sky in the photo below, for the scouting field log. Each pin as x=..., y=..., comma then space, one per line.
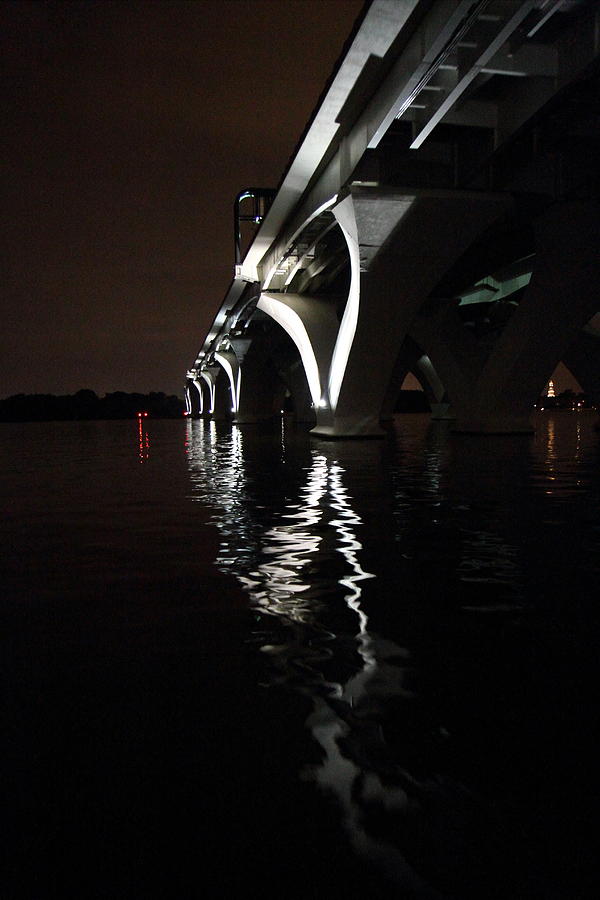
x=129, y=127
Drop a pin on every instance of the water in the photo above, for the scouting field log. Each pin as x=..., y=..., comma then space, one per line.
x=237, y=660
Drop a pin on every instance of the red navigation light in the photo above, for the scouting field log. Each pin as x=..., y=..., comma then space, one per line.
x=140, y=414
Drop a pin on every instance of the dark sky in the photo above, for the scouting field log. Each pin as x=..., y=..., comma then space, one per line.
x=129, y=127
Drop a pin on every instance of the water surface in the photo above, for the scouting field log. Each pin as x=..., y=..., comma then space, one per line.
x=247, y=660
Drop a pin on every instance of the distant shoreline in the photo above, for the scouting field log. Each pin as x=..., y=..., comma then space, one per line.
x=86, y=405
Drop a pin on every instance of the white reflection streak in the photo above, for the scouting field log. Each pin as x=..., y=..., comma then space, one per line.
x=341, y=776
x=349, y=543
x=217, y=473
x=274, y=587
x=231, y=484
x=355, y=687
x=211, y=391
x=293, y=545
x=550, y=454
x=338, y=774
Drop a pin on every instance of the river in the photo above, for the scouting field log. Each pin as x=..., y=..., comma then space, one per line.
x=243, y=660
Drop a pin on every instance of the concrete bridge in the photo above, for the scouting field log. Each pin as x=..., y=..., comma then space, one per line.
x=440, y=216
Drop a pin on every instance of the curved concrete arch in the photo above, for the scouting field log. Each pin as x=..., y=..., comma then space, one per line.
x=281, y=311
x=558, y=302
x=412, y=359
x=583, y=361
x=303, y=260
x=310, y=321
x=427, y=376
x=228, y=360
x=344, y=213
x=494, y=379
x=210, y=382
x=284, y=250
x=593, y=326
x=198, y=387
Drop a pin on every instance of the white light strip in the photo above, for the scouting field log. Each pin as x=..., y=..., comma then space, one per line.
x=227, y=366
x=188, y=402
x=291, y=322
x=347, y=329
x=211, y=390
x=322, y=208
x=199, y=388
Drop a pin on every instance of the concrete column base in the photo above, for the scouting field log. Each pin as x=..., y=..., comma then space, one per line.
x=442, y=412
x=400, y=245
x=350, y=427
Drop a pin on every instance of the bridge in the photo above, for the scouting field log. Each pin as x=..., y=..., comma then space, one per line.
x=440, y=216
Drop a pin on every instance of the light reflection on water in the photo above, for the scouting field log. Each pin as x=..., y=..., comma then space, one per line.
x=279, y=583
x=453, y=535
x=143, y=440
x=318, y=651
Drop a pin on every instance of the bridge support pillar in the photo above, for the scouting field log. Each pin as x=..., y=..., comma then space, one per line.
x=583, y=360
x=493, y=390
x=312, y=325
x=197, y=384
x=271, y=376
x=412, y=359
x=262, y=390
x=400, y=245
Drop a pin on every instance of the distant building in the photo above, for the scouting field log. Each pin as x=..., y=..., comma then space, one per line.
x=550, y=392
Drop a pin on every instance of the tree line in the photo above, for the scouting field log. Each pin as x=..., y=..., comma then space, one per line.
x=86, y=404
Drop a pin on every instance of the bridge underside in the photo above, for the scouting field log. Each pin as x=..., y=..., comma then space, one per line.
x=481, y=315
x=451, y=230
